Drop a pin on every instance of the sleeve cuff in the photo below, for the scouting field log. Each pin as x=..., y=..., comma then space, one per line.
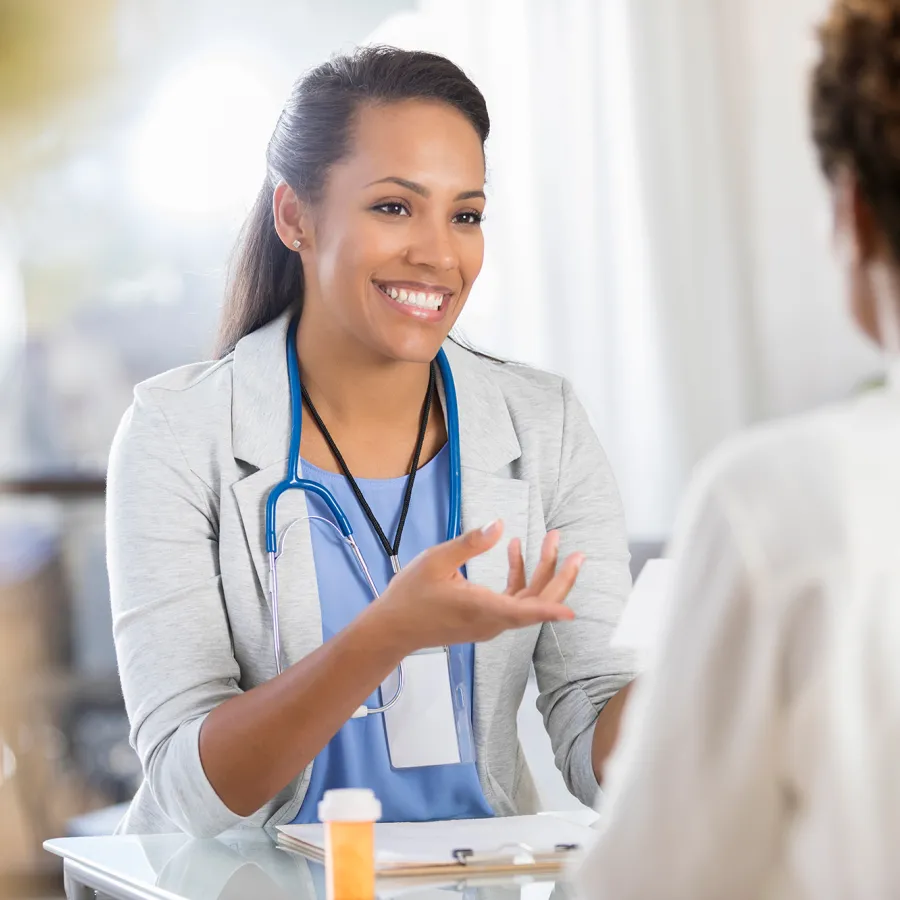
x=189, y=799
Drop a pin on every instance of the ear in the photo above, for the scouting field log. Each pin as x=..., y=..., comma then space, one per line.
x=291, y=217
x=856, y=231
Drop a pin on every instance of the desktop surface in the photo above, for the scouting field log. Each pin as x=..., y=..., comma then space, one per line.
x=244, y=864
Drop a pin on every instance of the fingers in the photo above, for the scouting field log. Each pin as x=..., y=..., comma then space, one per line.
x=537, y=612
x=548, y=606
x=546, y=567
x=557, y=589
x=516, y=580
x=523, y=610
x=520, y=612
x=446, y=558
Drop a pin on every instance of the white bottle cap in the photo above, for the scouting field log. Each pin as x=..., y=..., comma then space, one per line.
x=350, y=805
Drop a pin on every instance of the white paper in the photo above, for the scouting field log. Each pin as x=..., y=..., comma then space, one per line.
x=641, y=623
x=433, y=843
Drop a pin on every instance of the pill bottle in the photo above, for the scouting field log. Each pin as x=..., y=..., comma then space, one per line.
x=349, y=816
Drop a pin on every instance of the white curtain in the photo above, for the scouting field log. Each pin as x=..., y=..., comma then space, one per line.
x=611, y=246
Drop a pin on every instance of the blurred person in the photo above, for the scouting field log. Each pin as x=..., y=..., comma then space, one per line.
x=355, y=263
x=759, y=756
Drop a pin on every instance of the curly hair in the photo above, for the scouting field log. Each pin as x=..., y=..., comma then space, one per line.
x=856, y=103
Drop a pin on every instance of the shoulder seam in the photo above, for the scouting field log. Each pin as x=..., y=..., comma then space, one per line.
x=217, y=366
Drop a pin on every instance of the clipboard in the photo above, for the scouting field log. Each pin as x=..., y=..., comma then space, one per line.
x=501, y=846
x=515, y=855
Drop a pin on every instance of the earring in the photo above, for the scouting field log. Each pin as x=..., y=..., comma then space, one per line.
x=296, y=245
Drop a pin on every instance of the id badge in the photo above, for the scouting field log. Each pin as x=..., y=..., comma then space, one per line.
x=421, y=727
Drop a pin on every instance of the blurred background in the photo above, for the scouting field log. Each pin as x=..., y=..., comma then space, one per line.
x=657, y=232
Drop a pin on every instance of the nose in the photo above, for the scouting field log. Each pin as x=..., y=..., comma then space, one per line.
x=433, y=245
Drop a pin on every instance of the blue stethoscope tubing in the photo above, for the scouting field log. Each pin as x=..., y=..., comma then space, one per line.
x=295, y=481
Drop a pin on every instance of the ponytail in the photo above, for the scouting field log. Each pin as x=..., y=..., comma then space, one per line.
x=266, y=277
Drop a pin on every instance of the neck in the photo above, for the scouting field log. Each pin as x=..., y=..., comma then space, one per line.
x=349, y=383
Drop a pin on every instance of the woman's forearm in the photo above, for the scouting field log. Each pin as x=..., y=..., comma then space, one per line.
x=256, y=743
x=606, y=731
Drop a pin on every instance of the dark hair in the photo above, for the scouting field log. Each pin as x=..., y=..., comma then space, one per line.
x=314, y=132
x=856, y=102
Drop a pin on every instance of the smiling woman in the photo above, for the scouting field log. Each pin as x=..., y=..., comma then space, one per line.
x=386, y=649
x=418, y=136
x=374, y=233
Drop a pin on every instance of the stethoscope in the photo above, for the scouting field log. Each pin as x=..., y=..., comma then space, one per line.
x=295, y=481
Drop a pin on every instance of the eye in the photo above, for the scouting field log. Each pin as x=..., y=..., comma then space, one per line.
x=392, y=208
x=472, y=217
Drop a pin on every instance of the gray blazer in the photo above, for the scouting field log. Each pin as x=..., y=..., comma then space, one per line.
x=191, y=466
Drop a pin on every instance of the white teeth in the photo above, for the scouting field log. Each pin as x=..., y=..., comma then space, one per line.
x=419, y=299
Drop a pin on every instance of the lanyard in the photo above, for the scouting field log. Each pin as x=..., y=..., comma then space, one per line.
x=392, y=550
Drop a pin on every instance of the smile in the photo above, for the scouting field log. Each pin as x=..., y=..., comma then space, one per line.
x=418, y=299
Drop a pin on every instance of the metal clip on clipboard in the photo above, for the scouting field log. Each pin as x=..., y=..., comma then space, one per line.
x=514, y=855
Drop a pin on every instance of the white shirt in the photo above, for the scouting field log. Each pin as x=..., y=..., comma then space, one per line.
x=760, y=756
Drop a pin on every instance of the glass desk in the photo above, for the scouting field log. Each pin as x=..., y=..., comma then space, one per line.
x=242, y=865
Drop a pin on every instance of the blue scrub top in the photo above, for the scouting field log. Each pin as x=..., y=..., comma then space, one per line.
x=357, y=756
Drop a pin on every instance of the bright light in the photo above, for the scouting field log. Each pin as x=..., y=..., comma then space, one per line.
x=200, y=149
x=12, y=307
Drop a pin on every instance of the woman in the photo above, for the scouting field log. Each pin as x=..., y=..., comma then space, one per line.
x=355, y=263
x=759, y=757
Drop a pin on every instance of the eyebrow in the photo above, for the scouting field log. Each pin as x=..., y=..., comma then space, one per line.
x=423, y=191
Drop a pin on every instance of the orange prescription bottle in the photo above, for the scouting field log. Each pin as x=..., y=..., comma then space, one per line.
x=349, y=816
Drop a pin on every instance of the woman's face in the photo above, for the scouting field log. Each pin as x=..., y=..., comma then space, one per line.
x=394, y=244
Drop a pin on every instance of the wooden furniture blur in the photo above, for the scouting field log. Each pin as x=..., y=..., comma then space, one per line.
x=40, y=788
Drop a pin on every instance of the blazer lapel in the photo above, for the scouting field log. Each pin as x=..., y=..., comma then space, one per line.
x=260, y=437
x=299, y=612
x=488, y=445
x=487, y=497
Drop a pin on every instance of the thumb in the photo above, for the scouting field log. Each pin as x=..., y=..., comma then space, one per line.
x=446, y=558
